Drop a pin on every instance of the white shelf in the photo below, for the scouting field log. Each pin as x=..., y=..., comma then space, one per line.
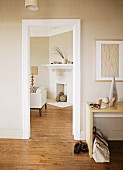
x=58, y=66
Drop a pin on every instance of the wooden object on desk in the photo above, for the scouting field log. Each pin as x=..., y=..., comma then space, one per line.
x=116, y=111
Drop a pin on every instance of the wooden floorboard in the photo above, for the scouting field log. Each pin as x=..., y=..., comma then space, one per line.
x=51, y=146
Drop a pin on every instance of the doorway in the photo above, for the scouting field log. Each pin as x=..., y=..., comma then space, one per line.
x=74, y=25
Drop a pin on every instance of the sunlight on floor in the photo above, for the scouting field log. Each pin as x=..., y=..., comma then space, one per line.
x=58, y=104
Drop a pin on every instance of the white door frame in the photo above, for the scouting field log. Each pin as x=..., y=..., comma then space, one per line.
x=26, y=24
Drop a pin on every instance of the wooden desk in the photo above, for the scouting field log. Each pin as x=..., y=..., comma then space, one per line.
x=116, y=111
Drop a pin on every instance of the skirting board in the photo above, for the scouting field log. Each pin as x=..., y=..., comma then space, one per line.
x=113, y=134
x=110, y=135
x=82, y=135
x=11, y=133
x=18, y=134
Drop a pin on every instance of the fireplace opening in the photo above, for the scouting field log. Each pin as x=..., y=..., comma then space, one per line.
x=61, y=92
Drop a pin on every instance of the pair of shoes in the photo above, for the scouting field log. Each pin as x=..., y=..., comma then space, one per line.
x=80, y=147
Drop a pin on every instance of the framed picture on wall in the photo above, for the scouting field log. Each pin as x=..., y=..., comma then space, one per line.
x=109, y=60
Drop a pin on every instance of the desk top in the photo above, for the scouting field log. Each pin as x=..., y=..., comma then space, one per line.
x=117, y=108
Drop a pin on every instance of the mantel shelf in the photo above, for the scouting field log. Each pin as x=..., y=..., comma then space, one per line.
x=58, y=66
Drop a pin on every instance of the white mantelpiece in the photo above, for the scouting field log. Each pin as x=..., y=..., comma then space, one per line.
x=58, y=66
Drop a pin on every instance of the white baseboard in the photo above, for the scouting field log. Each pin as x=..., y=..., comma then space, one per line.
x=18, y=134
x=76, y=137
x=82, y=135
x=113, y=134
x=11, y=133
x=108, y=134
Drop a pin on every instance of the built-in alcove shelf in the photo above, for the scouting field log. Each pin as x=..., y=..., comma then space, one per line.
x=58, y=66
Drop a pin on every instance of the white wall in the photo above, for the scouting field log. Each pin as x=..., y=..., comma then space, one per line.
x=99, y=20
x=39, y=55
x=111, y=128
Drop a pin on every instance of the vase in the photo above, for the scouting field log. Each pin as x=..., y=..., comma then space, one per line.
x=113, y=96
x=65, y=61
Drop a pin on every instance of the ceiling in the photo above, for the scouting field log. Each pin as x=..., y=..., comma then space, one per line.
x=47, y=31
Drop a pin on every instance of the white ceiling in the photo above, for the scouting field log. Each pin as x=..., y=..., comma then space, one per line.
x=47, y=31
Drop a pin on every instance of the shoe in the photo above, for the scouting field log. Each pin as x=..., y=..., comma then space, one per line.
x=77, y=147
x=84, y=147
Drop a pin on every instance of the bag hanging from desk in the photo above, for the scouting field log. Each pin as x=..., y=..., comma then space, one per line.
x=100, y=148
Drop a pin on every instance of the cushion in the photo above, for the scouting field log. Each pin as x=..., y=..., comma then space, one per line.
x=33, y=89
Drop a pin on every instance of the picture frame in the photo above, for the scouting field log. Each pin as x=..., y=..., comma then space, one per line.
x=109, y=60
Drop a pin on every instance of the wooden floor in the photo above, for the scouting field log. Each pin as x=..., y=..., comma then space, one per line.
x=51, y=146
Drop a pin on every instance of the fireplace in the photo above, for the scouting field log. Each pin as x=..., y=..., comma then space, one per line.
x=61, y=83
x=61, y=92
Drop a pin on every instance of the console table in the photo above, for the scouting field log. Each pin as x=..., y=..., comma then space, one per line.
x=116, y=111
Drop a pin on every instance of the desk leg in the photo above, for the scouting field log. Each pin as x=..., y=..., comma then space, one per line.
x=89, y=128
x=91, y=135
x=45, y=105
x=40, y=112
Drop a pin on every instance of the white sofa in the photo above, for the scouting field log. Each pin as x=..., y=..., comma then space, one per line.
x=38, y=99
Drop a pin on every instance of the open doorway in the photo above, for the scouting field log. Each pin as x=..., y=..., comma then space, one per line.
x=74, y=25
x=52, y=73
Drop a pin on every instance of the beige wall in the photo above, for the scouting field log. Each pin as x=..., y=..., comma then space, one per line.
x=39, y=55
x=65, y=43
x=100, y=19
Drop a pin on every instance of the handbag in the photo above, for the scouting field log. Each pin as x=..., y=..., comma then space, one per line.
x=100, y=148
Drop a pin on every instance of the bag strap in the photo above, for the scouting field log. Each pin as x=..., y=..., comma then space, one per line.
x=94, y=129
x=100, y=139
x=98, y=136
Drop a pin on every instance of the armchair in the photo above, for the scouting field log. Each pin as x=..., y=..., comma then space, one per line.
x=38, y=99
